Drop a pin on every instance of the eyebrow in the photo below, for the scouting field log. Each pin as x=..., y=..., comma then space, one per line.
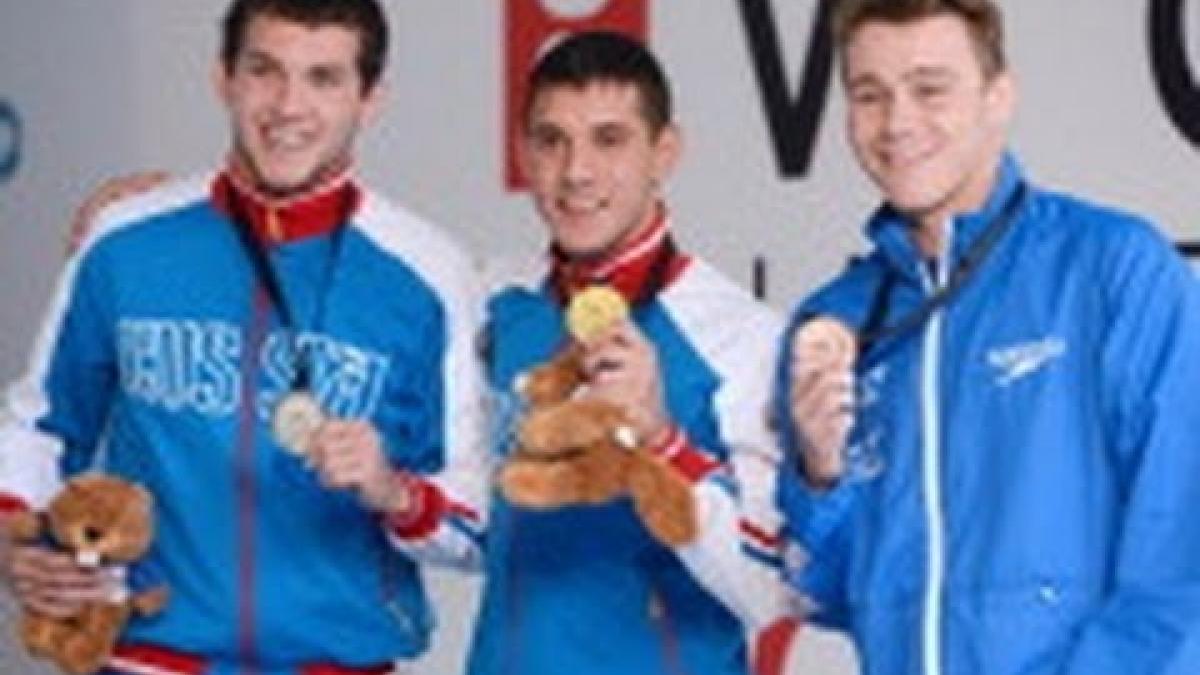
x=260, y=55
x=918, y=73
x=936, y=72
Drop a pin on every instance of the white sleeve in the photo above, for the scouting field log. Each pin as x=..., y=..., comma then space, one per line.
x=448, y=523
x=738, y=553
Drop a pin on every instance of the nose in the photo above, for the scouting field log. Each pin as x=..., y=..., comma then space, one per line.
x=579, y=167
x=899, y=115
x=289, y=97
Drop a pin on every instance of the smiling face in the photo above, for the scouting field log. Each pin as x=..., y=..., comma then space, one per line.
x=296, y=102
x=594, y=165
x=924, y=121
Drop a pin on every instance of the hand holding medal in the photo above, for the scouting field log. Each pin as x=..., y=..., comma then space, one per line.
x=621, y=364
x=822, y=394
x=349, y=455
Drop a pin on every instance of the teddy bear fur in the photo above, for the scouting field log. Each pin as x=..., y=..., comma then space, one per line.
x=109, y=520
x=573, y=450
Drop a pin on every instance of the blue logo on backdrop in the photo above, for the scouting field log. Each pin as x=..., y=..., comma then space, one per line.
x=10, y=141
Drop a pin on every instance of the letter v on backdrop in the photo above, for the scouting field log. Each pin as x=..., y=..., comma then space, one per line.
x=793, y=121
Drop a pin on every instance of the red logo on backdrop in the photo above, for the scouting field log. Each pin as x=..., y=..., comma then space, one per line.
x=530, y=26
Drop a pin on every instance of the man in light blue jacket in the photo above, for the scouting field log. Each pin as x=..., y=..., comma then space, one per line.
x=996, y=453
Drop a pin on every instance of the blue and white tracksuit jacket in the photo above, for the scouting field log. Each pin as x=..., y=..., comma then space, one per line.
x=586, y=590
x=1041, y=449
x=161, y=354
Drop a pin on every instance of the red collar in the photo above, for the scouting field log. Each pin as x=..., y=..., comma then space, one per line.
x=276, y=221
x=650, y=259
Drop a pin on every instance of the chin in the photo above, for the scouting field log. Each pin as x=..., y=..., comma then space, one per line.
x=581, y=252
x=909, y=196
x=285, y=185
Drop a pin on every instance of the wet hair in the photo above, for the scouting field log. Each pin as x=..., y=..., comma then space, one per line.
x=983, y=19
x=364, y=17
x=597, y=56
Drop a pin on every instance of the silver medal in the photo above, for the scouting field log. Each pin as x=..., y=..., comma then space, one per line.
x=296, y=419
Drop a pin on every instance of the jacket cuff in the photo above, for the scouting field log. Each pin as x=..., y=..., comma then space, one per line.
x=12, y=504
x=426, y=506
x=678, y=452
x=811, y=514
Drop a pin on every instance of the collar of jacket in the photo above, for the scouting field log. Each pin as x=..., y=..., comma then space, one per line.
x=891, y=231
x=280, y=221
x=628, y=270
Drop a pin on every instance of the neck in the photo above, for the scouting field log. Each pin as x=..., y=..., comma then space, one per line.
x=930, y=236
x=636, y=270
x=931, y=226
x=638, y=242
x=243, y=175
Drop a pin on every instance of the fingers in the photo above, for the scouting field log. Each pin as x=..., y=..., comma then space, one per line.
x=822, y=399
x=622, y=367
x=112, y=190
x=348, y=454
x=51, y=583
x=613, y=353
x=823, y=405
x=342, y=451
x=620, y=355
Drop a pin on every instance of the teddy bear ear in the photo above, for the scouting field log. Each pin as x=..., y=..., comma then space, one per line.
x=76, y=486
x=145, y=497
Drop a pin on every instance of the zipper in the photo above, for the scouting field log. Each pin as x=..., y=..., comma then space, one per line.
x=246, y=482
x=931, y=453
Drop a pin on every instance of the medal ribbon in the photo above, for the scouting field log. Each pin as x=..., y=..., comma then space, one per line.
x=265, y=273
x=874, y=331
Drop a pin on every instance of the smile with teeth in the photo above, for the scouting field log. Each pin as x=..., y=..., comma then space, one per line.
x=581, y=207
x=285, y=139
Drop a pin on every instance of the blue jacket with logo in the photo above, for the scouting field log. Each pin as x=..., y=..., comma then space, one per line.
x=1041, y=452
x=159, y=356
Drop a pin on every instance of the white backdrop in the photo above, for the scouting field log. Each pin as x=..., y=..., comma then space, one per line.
x=107, y=87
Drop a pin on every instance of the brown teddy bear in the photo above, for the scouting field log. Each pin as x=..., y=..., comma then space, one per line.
x=574, y=450
x=105, y=522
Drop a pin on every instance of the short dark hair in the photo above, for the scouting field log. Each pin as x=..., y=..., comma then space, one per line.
x=593, y=56
x=365, y=17
x=985, y=24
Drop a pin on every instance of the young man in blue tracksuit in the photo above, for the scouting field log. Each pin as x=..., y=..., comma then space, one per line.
x=1024, y=364
x=586, y=590
x=195, y=313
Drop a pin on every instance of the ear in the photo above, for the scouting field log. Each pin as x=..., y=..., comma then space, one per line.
x=219, y=78
x=145, y=499
x=1002, y=98
x=668, y=147
x=373, y=100
x=520, y=144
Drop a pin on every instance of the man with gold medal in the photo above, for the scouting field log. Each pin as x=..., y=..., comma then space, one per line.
x=663, y=335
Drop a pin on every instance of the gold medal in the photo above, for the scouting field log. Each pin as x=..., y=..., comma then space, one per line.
x=593, y=311
x=296, y=418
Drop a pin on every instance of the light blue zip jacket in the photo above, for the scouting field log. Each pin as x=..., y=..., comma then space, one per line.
x=1036, y=513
